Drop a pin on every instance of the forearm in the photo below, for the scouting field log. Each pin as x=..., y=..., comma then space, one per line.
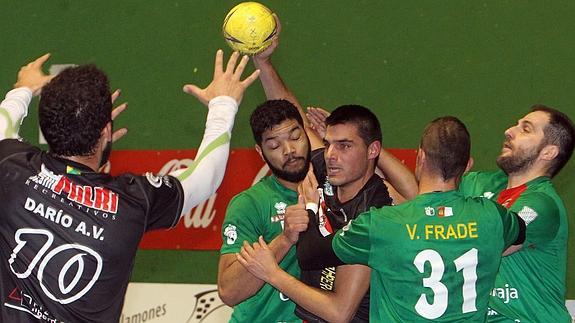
x=325, y=304
x=273, y=85
x=13, y=110
x=203, y=177
x=397, y=174
x=236, y=283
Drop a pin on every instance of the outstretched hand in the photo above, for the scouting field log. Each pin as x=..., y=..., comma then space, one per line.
x=225, y=82
x=119, y=133
x=32, y=76
x=316, y=117
x=258, y=259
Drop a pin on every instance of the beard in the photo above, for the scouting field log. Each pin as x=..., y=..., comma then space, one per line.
x=290, y=176
x=520, y=161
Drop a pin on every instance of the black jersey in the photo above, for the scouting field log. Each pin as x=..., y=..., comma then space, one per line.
x=68, y=235
x=335, y=215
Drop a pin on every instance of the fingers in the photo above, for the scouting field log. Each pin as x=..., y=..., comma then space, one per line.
x=241, y=66
x=41, y=60
x=250, y=79
x=219, y=63
x=118, y=110
x=311, y=177
x=193, y=90
x=119, y=134
x=232, y=62
x=278, y=24
x=116, y=95
x=263, y=243
x=300, y=199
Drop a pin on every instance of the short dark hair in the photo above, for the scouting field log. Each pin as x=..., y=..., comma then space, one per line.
x=74, y=108
x=270, y=114
x=366, y=122
x=559, y=132
x=447, y=146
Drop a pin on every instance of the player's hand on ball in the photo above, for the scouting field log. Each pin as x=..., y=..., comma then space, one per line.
x=225, y=82
x=267, y=53
x=258, y=259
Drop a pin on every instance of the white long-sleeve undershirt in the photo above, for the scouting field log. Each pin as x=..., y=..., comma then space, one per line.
x=199, y=181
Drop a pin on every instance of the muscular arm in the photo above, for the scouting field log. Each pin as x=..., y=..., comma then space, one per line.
x=339, y=305
x=235, y=283
x=275, y=89
x=398, y=175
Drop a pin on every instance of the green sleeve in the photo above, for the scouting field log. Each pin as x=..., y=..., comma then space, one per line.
x=541, y=215
x=351, y=244
x=467, y=184
x=241, y=223
x=510, y=223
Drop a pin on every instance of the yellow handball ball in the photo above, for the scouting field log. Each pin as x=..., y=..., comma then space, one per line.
x=249, y=28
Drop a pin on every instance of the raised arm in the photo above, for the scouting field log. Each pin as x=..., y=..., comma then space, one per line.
x=222, y=96
x=398, y=176
x=275, y=88
x=14, y=108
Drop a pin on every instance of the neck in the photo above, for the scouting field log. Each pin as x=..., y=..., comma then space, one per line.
x=348, y=191
x=290, y=185
x=429, y=184
x=520, y=178
x=89, y=161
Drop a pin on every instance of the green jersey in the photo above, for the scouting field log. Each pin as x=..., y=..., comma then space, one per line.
x=432, y=258
x=257, y=211
x=530, y=286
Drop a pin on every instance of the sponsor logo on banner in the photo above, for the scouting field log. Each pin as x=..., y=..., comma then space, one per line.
x=172, y=303
x=201, y=228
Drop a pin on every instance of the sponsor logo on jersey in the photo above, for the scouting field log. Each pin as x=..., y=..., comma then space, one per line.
x=21, y=301
x=527, y=214
x=444, y=211
x=506, y=293
x=157, y=180
x=98, y=198
x=280, y=208
x=429, y=211
x=327, y=188
x=231, y=234
x=488, y=195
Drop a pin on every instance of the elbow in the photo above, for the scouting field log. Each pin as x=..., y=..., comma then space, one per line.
x=339, y=314
x=227, y=296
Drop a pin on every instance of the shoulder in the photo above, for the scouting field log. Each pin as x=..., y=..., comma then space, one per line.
x=9, y=147
x=483, y=183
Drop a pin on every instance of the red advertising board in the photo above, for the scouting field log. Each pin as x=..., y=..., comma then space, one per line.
x=200, y=228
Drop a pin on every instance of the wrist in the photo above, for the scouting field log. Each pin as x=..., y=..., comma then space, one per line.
x=262, y=62
x=284, y=241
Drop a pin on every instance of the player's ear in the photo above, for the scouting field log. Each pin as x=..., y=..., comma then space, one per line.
x=549, y=152
x=469, y=164
x=373, y=150
x=259, y=150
